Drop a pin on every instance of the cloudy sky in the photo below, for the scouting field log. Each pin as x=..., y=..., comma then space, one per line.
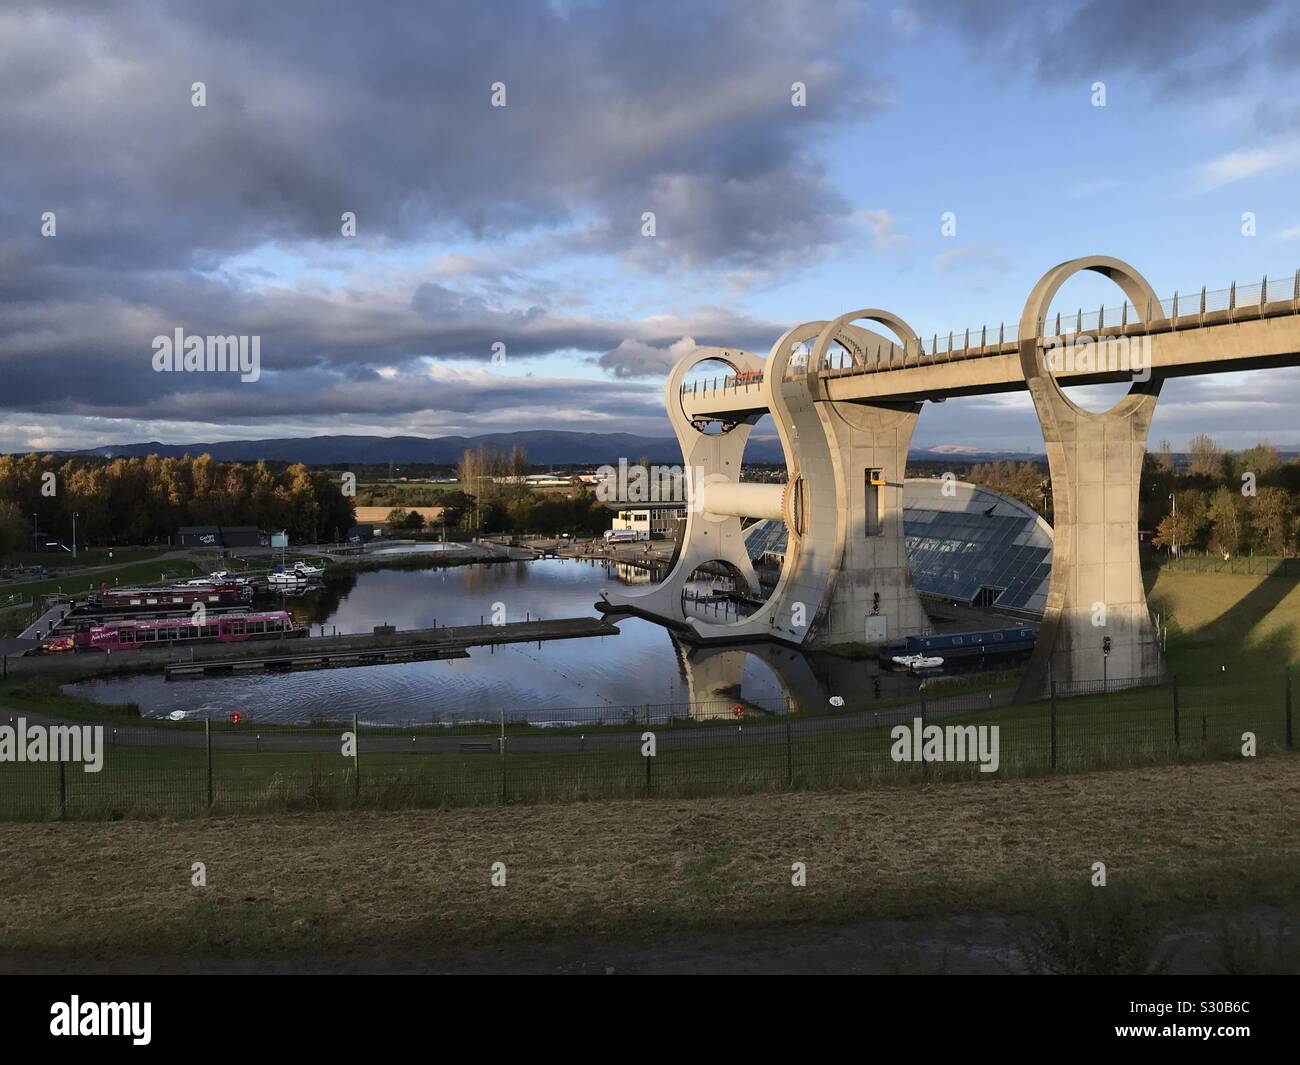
x=522, y=225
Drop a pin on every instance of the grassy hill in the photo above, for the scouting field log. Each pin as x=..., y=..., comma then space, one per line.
x=1248, y=624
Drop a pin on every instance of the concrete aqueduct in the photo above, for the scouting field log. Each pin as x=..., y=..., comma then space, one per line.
x=845, y=431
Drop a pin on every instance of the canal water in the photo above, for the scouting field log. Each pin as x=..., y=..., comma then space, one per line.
x=643, y=664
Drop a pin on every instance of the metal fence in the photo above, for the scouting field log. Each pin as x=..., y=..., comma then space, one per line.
x=1256, y=565
x=673, y=750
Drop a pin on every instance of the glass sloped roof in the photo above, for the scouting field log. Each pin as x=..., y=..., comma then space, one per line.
x=959, y=544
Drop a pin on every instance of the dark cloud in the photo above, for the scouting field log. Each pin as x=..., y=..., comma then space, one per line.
x=313, y=109
x=384, y=110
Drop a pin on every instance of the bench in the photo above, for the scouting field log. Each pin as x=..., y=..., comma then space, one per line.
x=478, y=748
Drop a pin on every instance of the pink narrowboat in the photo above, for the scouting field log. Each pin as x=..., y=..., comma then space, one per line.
x=232, y=628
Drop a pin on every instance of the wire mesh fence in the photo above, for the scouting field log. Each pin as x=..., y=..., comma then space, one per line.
x=1254, y=565
x=638, y=751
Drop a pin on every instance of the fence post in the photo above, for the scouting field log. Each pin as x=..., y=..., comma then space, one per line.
x=207, y=742
x=789, y=758
x=1178, y=733
x=63, y=789
x=356, y=759
x=1290, y=741
x=1053, y=683
x=502, y=743
x=924, y=767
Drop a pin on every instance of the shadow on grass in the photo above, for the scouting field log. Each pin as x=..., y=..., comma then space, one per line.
x=1228, y=634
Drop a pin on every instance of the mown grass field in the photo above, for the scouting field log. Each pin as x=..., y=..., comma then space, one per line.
x=366, y=887
x=1227, y=626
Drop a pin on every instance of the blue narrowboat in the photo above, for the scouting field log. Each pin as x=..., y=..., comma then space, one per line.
x=982, y=642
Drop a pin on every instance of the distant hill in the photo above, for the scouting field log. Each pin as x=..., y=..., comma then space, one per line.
x=545, y=447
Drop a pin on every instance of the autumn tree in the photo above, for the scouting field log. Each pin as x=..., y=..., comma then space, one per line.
x=1185, y=524
x=1227, y=518
x=1205, y=459
x=1273, y=518
x=13, y=530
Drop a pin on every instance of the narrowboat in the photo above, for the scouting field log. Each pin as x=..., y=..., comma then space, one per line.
x=162, y=632
x=182, y=597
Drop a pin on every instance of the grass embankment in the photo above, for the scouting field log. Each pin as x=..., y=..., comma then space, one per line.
x=125, y=576
x=88, y=556
x=1178, y=840
x=1228, y=625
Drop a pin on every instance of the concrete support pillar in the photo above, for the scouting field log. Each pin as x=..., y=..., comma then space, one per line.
x=871, y=596
x=1097, y=627
x=873, y=599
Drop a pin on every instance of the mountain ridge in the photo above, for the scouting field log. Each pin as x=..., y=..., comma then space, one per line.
x=544, y=446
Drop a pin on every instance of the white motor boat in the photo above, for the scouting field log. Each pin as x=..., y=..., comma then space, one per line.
x=307, y=570
x=224, y=576
x=287, y=578
x=917, y=662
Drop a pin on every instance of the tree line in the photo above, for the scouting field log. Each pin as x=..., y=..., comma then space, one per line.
x=145, y=500
x=492, y=498
x=1222, y=502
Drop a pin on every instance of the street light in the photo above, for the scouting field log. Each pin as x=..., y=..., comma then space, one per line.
x=74, y=534
x=1173, y=523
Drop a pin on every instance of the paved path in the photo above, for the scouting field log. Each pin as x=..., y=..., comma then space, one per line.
x=42, y=625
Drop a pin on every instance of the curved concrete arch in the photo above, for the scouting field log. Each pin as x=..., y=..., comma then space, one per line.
x=845, y=576
x=709, y=459
x=1097, y=627
x=1138, y=292
x=833, y=331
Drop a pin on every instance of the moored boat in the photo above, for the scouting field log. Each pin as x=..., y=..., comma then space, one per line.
x=225, y=628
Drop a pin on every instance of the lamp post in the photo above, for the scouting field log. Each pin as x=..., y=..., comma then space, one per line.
x=74, y=534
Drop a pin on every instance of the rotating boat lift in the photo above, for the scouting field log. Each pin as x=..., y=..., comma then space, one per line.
x=845, y=434
x=845, y=576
